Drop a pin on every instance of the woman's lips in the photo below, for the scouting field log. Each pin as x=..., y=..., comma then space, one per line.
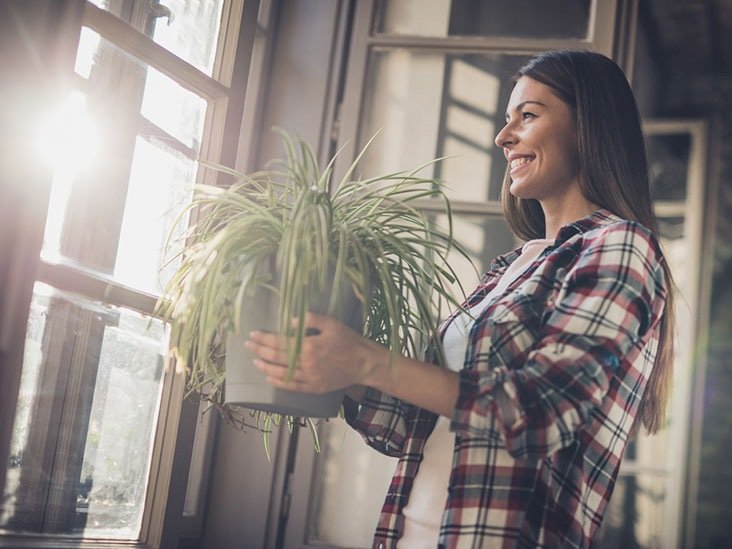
x=520, y=162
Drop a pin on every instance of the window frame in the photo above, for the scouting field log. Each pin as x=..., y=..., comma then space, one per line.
x=163, y=519
x=685, y=441
x=363, y=41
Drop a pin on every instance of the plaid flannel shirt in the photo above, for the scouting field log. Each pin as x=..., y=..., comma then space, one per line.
x=571, y=342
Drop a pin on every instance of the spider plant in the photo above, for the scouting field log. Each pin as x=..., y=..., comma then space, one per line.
x=290, y=231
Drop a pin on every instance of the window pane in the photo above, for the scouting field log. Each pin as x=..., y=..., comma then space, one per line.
x=83, y=431
x=652, y=450
x=517, y=18
x=668, y=156
x=428, y=105
x=672, y=231
x=117, y=189
x=169, y=106
x=635, y=514
x=161, y=182
x=187, y=28
x=484, y=238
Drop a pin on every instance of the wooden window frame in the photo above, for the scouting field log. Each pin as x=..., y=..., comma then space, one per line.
x=173, y=442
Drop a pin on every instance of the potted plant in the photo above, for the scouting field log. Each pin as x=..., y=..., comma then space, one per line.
x=277, y=243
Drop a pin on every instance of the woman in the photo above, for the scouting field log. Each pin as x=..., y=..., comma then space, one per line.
x=566, y=351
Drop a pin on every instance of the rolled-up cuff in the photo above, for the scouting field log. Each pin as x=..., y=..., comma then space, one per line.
x=480, y=410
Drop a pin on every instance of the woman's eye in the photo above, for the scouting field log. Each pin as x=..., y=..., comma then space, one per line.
x=527, y=115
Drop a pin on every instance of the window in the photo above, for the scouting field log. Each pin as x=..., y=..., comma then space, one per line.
x=649, y=495
x=492, y=18
x=154, y=88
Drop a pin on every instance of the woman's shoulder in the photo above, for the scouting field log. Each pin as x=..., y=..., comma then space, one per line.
x=623, y=232
x=604, y=229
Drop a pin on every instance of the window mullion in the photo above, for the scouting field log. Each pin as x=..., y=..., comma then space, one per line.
x=151, y=131
x=141, y=46
x=471, y=44
x=461, y=206
x=94, y=285
x=170, y=462
x=231, y=20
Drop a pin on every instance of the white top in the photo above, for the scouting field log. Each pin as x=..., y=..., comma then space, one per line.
x=423, y=512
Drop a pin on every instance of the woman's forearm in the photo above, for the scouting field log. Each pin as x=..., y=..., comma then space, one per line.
x=420, y=383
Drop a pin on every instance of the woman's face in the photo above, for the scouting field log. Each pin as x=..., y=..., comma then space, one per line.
x=539, y=143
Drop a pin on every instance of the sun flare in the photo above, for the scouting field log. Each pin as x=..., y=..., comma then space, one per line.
x=68, y=139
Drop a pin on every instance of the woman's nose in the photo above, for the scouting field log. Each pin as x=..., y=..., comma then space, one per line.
x=505, y=136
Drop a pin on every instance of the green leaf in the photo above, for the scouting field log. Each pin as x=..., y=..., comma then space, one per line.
x=368, y=234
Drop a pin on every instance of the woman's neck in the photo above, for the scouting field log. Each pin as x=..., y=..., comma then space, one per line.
x=559, y=213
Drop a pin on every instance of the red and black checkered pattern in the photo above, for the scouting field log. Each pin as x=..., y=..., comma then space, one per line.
x=571, y=344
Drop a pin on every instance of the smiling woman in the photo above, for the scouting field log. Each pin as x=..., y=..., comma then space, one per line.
x=540, y=144
x=562, y=353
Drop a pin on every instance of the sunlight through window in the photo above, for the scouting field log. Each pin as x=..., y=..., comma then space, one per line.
x=68, y=140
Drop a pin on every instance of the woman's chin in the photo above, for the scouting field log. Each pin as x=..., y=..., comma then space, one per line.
x=520, y=190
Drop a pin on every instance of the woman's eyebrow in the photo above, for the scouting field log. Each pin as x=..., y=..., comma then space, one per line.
x=524, y=103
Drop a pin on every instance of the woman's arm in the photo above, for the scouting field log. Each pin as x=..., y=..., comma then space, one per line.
x=336, y=357
x=586, y=359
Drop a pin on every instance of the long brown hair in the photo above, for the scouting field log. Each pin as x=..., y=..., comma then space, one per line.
x=613, y=175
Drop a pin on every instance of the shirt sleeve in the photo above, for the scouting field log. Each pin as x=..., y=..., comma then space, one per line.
x=381, y=420
x=542, y=373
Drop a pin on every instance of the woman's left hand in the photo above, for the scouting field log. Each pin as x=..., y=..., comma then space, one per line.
x=333, y=358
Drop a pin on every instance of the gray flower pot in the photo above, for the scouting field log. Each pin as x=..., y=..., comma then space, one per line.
x=246, y=386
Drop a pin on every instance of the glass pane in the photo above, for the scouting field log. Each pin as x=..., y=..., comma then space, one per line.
x=484, y=238
x=428, y=105
x=652, y=450
x=518, y=18
x=672, y=231
x=187, y=28
x=350, y=489
x=676, y=244
x=174, y=109
x=84, y=424
x=169, y=106
x=161, y=182
x=635, y=514
x=668, y=157
x=123, y=158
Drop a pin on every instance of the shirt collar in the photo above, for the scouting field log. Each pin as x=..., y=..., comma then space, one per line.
x=596, y=219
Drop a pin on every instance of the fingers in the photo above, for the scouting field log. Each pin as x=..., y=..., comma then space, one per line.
x=272, y=360
x=279, y=372
x=312, y=374
x=278, y=376
x=268, y=339
x=315, y=323
x=272, y=347
x=266, y=347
